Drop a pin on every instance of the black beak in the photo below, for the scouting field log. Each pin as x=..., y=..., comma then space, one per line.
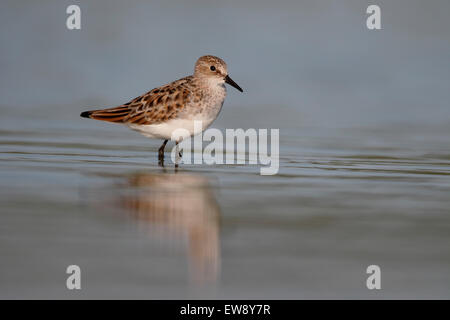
x=232, y=83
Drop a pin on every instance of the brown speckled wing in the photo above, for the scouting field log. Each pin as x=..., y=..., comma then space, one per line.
x=156, y=106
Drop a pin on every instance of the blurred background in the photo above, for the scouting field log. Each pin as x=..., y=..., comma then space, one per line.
x=364, y=178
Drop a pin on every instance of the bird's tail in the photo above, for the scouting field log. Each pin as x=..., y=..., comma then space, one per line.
x=116, y=114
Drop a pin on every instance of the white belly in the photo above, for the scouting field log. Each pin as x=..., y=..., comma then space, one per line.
x=176, y=129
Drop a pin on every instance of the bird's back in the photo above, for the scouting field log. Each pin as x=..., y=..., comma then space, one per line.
x=156, y=106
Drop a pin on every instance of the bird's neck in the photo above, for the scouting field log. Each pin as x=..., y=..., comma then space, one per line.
x=212, y=86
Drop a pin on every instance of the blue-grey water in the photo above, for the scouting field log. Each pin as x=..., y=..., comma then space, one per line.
x=364, y=179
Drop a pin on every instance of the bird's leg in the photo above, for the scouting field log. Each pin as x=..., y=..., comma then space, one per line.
x=161, y=153
x=177, y=155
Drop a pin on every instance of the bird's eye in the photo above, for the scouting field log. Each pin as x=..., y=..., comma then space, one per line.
x=212, y=68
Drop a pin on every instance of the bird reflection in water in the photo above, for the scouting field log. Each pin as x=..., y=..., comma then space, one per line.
x=182, y=206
